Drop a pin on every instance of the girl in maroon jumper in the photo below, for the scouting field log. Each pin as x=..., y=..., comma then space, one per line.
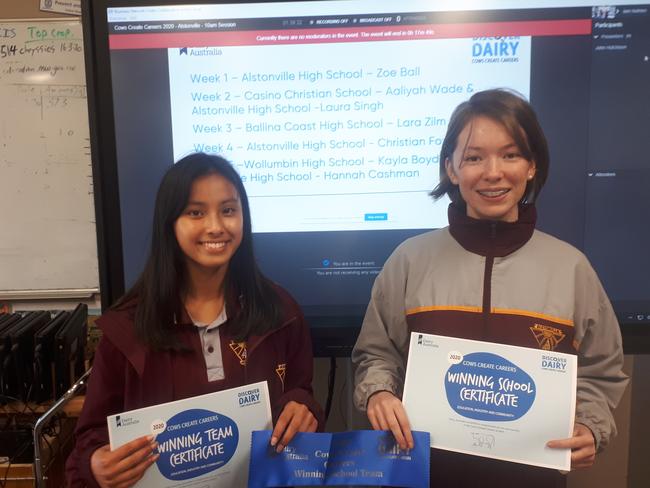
x=201, y=318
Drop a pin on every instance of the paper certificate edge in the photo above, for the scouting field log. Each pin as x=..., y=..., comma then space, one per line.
x=262, y=384
x=566, y=464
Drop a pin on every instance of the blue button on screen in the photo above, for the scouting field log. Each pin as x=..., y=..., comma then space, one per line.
x=375, y=216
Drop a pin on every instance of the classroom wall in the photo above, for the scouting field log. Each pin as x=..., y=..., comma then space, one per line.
x=30, y=9
x=23, y=9
x=624, y=464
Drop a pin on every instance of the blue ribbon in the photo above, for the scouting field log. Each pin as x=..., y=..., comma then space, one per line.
x=361, y=457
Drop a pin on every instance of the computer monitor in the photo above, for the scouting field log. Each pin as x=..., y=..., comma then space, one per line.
x=18, y=371
x=334, y=112
x=15, y=321
x=7, y=319
x=70, y=344
x=44, y=353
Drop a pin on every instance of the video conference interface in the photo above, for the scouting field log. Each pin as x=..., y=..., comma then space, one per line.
x=334, y=116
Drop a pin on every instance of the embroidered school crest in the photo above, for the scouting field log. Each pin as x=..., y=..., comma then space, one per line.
x=547, y=337
x=281, y=371
x=239, y=348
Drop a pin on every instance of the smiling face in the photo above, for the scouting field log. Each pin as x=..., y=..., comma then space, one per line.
x=490, y=171
x=210, y=228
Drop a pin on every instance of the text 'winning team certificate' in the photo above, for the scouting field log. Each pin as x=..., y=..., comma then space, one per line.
x=203, y=442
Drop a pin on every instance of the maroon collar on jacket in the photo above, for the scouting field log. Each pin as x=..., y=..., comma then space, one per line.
x=118, y=326
x=491, y=237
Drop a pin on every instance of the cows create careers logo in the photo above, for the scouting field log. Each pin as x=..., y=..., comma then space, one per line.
x=485, y=386
x=195, y=442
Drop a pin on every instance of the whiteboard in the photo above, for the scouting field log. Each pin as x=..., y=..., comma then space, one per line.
x=48, y=243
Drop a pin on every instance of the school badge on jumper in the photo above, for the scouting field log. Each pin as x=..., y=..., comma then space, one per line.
x=547, y=337
x=239, y=348
x=281, y=371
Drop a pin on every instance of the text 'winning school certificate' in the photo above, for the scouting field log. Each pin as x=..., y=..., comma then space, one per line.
x=491, y=400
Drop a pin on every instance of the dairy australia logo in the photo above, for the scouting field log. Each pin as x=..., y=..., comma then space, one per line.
x=423, y=341
x=121, y=421
x=205, y=51
x=495, y=49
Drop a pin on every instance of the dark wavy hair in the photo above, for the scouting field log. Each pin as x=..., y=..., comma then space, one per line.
x=518, y=117
x=159, y=288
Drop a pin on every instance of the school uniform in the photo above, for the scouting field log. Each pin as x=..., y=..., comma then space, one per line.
x=127, y=375
x=499, y=282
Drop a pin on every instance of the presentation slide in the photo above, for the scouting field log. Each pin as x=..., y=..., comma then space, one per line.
x=334, y=113
x=345, y=134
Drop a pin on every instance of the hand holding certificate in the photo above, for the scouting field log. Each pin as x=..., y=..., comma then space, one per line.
x=125, y=465
x=491, y=400
x=204, y=440
x=367, y=458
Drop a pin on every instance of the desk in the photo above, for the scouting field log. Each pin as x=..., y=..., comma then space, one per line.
x=53, y=428
x=57, y=447
x=18, y=475
x=71, y=409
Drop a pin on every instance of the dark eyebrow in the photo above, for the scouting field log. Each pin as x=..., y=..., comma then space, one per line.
x=230, y=200
x=203, y=204
x=507, y=146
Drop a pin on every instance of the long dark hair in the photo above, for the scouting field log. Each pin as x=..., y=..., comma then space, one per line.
x=519, y=119
x=159, y=288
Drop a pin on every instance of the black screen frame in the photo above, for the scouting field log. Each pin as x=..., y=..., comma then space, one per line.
x=332, y=336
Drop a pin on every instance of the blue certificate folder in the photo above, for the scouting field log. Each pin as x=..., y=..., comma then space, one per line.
x=358, y=458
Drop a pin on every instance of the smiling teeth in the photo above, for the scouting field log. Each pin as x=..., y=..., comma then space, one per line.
x=214, y=245
x=495, y=193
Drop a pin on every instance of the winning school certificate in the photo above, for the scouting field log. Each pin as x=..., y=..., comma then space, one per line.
x=203, y=442
x=491, y=400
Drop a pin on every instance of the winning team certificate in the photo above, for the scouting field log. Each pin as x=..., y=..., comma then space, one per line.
x=203, y=442
x=492, y=400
